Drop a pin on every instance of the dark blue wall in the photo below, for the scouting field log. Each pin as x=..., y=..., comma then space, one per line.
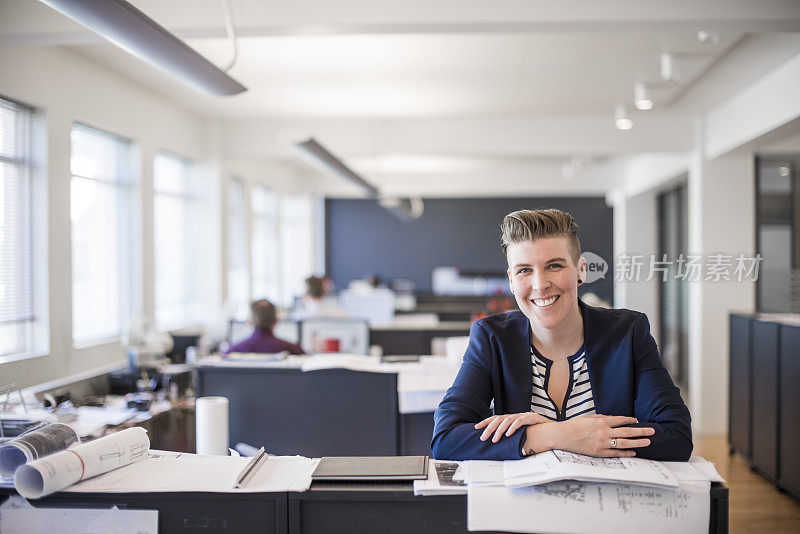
x=362, y=238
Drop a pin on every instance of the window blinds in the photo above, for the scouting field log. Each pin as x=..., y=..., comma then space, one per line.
x=16, y=231
x=264, y=247
x=237, y=261
x=100, y=213
x=177, y=241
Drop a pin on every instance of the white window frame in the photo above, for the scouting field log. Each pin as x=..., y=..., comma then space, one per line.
x=125, y=187
x=188, y=311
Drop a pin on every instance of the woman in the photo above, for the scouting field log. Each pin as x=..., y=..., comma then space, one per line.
x=560, y=374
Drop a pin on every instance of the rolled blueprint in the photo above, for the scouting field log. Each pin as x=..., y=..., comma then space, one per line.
x=212, y=425
x=36, y=443
x=63, y=469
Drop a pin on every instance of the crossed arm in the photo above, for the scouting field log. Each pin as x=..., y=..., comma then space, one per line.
x=663, y=433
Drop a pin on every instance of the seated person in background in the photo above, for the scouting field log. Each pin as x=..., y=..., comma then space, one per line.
x=263, y=318
x=316, y=302
x=561, y=374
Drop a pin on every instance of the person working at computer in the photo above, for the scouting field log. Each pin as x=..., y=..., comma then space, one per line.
x=263, y=318
x=561, y=374
x=316, y=301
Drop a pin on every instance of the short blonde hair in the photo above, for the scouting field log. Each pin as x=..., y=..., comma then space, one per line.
x=528, y=225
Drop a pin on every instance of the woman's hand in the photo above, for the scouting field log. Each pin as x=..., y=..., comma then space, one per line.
x=508, y=424
x=592, y=435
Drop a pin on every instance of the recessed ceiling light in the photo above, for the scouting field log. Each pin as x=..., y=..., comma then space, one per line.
x=669, y=69
x=783, y=170
x=641, y=97
x=707, y=37
x=621, y=118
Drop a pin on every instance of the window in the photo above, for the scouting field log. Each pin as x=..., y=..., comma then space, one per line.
x=777, y=234
x=673, y=292
x=176, y=207
x=296, y=244
x=101, y=193
x=238, y=294
x=16, y=231
x=264, y=249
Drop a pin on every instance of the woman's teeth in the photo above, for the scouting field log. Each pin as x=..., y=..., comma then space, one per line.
x=543, y=303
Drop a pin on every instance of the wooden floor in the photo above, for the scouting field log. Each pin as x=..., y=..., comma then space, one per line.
x=755, y=504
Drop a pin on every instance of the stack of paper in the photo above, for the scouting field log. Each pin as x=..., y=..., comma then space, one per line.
x=165, y=471
x=562, y=492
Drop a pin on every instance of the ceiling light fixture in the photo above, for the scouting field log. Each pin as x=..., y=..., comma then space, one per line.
x=405, y=209
x=320, y=156
x=669, y=69
x=641, y=97
x=136, y=33
x=621, y=118
x=707, y=37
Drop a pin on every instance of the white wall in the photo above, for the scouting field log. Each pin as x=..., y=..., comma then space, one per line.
x=67, y=89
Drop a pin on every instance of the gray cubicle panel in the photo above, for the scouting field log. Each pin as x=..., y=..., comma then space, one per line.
x=332, y=412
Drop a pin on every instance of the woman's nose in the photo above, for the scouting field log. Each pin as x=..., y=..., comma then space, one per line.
x=540, y=281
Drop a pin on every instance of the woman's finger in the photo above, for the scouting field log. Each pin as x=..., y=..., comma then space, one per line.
x=631, y=443
x=620, y=420
x=485, y=422
x=503, y=427
x=491, y=427
x=633, y=431
x=524, y=420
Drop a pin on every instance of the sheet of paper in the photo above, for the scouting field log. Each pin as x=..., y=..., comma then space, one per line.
x=440, y=480
x=18, y=517
x=597, y=508
x=704, y=467
x=557, y=465
x=163, y=472
x=62, y=469
x=484, y=472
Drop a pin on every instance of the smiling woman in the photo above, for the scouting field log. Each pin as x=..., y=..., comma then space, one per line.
x=565, y=375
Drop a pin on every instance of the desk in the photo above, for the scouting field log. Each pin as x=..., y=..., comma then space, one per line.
x=352, y=509
x=414, y=339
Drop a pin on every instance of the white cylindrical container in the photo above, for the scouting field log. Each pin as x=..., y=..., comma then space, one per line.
x=211, y=415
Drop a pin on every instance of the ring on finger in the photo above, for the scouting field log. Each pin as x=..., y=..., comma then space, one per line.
x=613, y=443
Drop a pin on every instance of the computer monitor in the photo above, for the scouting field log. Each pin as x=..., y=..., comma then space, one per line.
x=287, y=331
x=238, y=331
x=375, y=305
x=334, y=335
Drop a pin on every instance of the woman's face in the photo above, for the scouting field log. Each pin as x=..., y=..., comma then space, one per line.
x=544, y=279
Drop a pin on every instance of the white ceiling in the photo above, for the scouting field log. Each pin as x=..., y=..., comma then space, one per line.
x=459, y=88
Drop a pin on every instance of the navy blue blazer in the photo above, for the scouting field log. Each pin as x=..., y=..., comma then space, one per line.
x=625, y=372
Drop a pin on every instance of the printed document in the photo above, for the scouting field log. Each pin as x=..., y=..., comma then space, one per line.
x=597, y=508
x=557, y=465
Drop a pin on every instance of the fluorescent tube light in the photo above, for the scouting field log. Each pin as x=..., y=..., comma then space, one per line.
x=136, y=33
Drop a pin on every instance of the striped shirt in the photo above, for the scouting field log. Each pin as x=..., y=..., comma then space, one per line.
x=579, y=399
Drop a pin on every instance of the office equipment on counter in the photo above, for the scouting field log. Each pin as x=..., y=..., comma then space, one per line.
x=371, y=468
x=342, y=335
x=212, y=425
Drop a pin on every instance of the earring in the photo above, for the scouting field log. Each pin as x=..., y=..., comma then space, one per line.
x=580, y=281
